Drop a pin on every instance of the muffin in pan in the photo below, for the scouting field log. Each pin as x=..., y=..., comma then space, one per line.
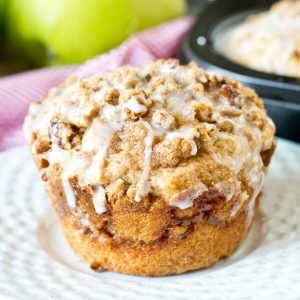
x=155, y=170
x=267, y=41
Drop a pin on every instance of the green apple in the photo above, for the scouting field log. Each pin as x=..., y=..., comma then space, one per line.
x=153, y=12
x=68, y=31
x=71, y=31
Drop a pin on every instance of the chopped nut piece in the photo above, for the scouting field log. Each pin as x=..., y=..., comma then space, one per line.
x=44, y=176
x=64, y=135
x=162, y=119
x=148, y=77
x=60, y=133
x=44, y=163
x=229, y=93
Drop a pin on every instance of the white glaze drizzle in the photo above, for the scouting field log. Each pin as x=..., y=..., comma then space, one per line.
x=85, y=221
x=143, y=187
x=97, y=138
x=70, y=196
x=185, y=199
x=181, y=104
x=99, y=199
x=133, y=105
x=239, y=204
x=256, y=176
x=226, y=189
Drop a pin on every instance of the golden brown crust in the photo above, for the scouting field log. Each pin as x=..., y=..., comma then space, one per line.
x=201, y=248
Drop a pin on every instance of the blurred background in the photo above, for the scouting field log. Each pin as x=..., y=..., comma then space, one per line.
x=41, y=33
x=44, y=33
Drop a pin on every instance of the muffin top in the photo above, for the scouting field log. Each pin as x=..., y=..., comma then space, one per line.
x=268, y=41
x=164, y=131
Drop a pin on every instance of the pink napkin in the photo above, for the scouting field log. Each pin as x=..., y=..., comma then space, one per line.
x=17, y=91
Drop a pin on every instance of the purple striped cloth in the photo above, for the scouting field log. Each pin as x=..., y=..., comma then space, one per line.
x=17, y=91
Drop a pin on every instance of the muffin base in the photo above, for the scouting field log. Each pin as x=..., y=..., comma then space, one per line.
x=206, y=242
x=203, y=247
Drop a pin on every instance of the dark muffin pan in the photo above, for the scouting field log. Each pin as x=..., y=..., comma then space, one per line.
x=281, y=93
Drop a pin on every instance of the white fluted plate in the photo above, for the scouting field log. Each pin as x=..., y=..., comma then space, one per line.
x=37, y=263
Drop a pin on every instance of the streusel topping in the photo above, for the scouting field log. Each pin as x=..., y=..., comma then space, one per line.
x=165, y=130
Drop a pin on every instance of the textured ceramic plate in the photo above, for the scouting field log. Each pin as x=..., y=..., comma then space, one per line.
x=36, y=262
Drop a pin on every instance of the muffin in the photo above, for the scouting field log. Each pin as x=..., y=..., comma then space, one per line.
x=268, y=41
x=155, y=170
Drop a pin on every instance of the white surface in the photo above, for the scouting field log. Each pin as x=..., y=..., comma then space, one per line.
x=36, y=262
